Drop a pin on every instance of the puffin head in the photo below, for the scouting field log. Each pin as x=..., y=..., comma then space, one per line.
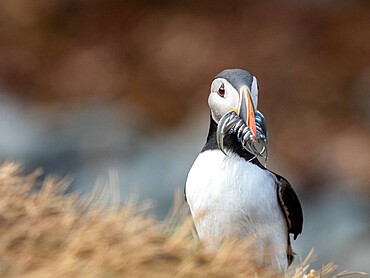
x=233, y=101
x=233, y=89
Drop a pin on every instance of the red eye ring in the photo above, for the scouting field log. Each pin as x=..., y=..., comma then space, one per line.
x=221, y=90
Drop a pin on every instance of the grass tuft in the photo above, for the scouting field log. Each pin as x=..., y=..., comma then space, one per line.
x=45, y=233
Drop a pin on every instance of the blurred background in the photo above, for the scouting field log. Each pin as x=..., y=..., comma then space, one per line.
x=89, y=86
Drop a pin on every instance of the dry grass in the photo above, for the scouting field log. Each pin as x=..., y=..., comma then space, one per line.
x=44, y=233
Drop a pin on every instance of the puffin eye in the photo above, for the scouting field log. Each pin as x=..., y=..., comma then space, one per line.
x=221, y=90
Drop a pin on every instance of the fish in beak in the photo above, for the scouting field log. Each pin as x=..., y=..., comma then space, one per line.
x=247, y=123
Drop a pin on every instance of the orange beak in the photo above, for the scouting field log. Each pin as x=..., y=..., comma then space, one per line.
x=246, y=110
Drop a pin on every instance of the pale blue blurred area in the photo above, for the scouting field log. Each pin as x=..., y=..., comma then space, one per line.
x=86, y=141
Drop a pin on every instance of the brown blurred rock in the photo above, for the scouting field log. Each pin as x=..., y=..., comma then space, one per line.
x=162, y=56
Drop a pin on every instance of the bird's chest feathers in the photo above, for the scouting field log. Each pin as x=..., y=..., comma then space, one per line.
x=230, y=184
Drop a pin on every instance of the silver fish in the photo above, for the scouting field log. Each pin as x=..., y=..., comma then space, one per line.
x=231, y=122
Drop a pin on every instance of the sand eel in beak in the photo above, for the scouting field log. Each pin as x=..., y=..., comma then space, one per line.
x=236, y=196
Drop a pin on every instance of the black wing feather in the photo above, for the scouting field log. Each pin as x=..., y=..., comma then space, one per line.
x=290, y=205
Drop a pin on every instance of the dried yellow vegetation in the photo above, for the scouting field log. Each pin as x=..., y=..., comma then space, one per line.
x=45, y=233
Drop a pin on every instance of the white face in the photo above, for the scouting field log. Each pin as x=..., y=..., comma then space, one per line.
x=220, y=105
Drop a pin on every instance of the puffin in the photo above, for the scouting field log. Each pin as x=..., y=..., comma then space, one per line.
x=230, y=193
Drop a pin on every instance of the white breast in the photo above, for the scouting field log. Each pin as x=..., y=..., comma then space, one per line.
x=230, y=197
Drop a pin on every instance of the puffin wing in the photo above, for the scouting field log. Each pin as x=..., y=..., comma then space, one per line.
x=290, y=205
